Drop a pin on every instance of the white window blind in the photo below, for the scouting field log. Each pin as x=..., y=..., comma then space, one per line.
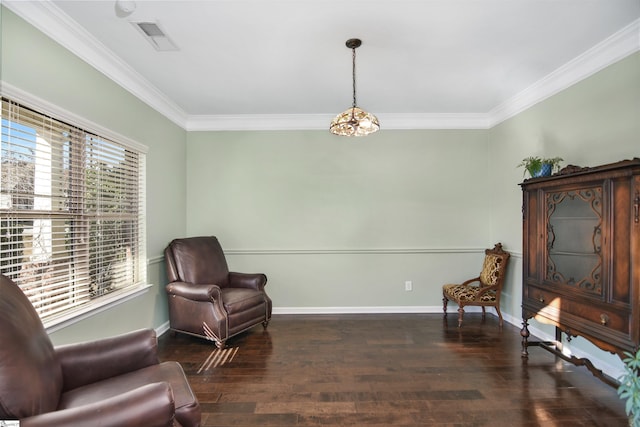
x=71, y=212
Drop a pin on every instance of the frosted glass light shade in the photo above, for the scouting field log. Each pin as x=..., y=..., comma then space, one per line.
x=354, y=122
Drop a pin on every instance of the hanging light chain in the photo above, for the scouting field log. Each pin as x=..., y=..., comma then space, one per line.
x=353, y=74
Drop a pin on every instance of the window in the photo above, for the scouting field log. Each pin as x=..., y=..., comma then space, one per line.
x=72, y=216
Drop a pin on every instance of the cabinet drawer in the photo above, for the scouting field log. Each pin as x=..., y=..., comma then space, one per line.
x=575, y=313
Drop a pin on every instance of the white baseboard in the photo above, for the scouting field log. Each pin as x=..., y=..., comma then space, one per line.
x=162, y=329
x=369, y=310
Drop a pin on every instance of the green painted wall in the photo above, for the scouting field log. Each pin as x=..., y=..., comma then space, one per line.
x=36, y=64
x=339, y=222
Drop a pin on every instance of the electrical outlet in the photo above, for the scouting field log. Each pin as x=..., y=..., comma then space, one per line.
x=408, y=285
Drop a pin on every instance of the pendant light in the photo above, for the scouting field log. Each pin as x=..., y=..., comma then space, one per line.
x=354, y=121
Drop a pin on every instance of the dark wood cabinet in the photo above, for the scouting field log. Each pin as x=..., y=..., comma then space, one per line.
x=581, y=257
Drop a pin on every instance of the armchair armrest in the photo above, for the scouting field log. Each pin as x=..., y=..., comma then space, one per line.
x=89, y=362
x=486, y=289
x=151, y=405
x=470, y=281
x=194, y=292
x=255, y=281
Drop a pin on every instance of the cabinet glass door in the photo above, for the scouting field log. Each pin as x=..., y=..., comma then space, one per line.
x=574, y=239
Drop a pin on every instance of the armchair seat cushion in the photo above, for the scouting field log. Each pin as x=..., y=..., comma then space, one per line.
x=186, y=404
x=237, y=300
x=468, y=293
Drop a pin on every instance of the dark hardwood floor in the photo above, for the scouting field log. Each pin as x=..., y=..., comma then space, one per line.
x=388, y=370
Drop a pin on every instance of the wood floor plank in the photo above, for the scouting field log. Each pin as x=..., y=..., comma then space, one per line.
x=388, y=370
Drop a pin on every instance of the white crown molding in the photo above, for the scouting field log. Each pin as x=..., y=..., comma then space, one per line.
x=614, y=48
x=242, y=122
x=434, y=121
x=321, y=122
x=49, y=19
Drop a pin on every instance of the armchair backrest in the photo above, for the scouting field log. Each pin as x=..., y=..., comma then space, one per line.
x=495, y=264
x=30, y=373
x=197, y=260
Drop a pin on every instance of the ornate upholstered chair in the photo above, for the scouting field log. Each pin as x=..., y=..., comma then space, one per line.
x=483, y=290
x=207, y=300
x=113, y=382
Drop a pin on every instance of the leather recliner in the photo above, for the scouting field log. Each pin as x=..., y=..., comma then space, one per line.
x=205, y=299
x=113, y=382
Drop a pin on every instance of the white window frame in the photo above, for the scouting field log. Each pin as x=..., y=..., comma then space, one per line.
x=100, y=303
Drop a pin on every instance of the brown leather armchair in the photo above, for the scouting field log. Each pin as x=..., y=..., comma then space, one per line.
x=205, y=299
x=115, y=382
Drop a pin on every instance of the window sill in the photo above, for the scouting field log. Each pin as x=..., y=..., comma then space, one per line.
x=104, y=304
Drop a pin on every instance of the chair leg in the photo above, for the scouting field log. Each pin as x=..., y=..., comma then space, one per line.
x=265, y=324
x=444, y=305
x=499, y=315
x=484, y=313
x=460, y=316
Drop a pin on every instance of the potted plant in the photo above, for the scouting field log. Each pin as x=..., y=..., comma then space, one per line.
x=629, y=388
x=540, y=166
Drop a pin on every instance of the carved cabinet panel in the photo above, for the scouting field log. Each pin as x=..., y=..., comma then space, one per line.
x=581, y=254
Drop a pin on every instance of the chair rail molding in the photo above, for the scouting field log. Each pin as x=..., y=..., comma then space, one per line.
x=353, y=251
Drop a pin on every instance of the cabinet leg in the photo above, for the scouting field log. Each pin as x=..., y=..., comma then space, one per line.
x=524, y=333
x=558, y=343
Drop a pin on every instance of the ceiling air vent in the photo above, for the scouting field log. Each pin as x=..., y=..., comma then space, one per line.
x=158, y=39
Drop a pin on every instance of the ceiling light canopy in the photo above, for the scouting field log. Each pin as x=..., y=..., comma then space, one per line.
x=125, y=8
x=354, y=121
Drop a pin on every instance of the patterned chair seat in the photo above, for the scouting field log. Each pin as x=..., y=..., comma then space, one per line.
x=468, y=293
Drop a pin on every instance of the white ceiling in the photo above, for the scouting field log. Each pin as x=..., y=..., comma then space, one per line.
x=429, y=63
